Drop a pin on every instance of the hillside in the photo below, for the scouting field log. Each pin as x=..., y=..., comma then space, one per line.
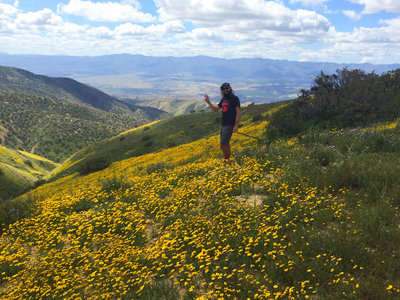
x=54, y=117
x=52, y=129
x=153, y=137
x=315, y=217
x=67, y=90
x=19, y=171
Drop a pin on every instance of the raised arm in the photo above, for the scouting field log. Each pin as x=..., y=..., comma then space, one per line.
x=213, y=107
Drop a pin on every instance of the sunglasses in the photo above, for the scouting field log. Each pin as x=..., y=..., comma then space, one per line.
x=225, y=88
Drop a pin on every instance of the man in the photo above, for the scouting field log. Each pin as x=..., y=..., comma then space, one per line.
x=231, y=114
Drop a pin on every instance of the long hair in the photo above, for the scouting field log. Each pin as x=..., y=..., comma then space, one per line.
x=231, y=93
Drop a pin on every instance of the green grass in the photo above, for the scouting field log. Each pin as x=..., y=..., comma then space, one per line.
x=153, y=137
x=20, y=171
x=56, y=130
x=366, y=164
x=352, y=218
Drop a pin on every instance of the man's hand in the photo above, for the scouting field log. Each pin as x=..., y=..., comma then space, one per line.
x=236, y=128
x=213, y=108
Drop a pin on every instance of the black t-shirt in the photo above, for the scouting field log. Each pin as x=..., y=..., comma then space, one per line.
x=228, y=104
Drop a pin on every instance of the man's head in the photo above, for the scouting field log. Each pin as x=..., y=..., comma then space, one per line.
x=226, y=88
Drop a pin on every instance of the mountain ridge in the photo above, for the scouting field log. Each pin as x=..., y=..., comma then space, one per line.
x=150, y=77
x=54, y=117
x=62, y=89
x=124, y=63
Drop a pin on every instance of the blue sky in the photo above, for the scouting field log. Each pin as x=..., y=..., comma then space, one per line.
x=342, y=31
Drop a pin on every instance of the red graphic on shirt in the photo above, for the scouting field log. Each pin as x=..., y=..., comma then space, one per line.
x=225, y=106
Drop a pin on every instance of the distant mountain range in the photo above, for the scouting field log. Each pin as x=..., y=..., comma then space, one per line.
x=170, y=78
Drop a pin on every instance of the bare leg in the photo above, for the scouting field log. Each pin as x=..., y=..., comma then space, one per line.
x=226, y=150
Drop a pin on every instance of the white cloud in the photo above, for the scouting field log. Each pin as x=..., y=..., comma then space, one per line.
x=100, y=32
x=130, y=29
x=7, y=13
x=252, y=17
x=342, y=52
x=352, y=14
x=106, y=12
x=312, y=3
x=240, y=28
x=7, y=10
x=375, y=6
x=39, y=18
x=373, y=45
x=381, y=36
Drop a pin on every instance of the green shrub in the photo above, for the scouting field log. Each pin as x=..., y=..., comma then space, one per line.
x=258, y=117
x=347, y=98
x=28, y=163
x=14, y=210
x=376, y=224
x=114, y=183
x=93, y=165
x=148, y=143
x=146, y=137
x=159, y=167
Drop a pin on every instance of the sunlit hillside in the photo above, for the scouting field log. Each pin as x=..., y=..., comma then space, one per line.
x=154, y=137
x=20, y=170
x=312, y=217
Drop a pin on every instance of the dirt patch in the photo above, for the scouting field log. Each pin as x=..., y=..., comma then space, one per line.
x=252, y=200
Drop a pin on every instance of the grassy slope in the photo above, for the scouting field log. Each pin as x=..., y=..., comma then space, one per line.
x=65, y=90
x=153, y=137
x=54, y=117
x=19, y=171
x=315, y=217
x=53, y=129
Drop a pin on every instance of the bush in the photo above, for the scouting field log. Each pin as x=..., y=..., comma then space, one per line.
x=39, y=182
x=114, y=184
x=146, y=137
x=15, y=210
x=257, y=118
x=28, y=163
x=93, y=165
x=148, y=143
x=348, y=98
x=160, y=167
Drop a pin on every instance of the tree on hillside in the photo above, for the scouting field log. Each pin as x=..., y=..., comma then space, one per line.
x=346, y=98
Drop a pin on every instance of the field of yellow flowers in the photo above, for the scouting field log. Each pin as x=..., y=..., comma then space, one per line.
x=181, y=224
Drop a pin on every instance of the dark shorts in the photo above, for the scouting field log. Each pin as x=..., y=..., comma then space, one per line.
x=226, y=134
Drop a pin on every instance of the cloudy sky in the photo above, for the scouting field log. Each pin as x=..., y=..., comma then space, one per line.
x=301, y=30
